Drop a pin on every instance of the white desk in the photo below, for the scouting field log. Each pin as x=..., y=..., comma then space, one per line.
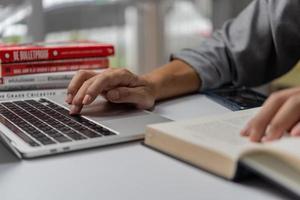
x=127, y=171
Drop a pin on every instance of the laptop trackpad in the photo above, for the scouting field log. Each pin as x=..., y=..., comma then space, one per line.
x=124, y=118
x=134, y=124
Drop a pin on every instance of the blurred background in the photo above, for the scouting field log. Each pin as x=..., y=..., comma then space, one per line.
x=144, y=32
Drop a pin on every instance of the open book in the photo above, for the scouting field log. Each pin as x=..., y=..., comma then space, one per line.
x=214, y=144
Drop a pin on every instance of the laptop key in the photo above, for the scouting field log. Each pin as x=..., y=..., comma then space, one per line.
x=74, y=135
x=47, y=142
x=62, y=139
x=89, y=133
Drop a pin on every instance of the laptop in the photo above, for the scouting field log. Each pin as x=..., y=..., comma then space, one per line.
x=42, y=126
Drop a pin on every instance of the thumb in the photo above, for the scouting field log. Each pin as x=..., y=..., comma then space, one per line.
x=138, y=96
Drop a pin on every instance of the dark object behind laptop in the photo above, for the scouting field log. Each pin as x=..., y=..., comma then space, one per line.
x=237, y=98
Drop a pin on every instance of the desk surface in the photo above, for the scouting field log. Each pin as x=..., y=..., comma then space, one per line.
x=126, y=171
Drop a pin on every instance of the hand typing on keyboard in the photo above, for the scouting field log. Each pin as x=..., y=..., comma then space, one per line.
x=116, y=85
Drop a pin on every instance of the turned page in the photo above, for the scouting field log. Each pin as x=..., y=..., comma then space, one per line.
x=213, y=143
x=219, y=133
x=287, y=149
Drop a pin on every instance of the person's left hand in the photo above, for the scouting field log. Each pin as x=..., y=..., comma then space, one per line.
x=279, y=115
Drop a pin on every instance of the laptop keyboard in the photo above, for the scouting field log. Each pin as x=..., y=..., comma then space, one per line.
x=42, y=122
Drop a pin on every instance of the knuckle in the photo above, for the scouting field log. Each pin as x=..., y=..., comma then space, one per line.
x=124, y=71
x=71, y=89
x=109, y=70
x=106, y=73
x=86, y=83
x=76, y=101
x=82, y=72
x=106, y=78
x=277, y=97
x=91, y=92
x=134, y=78
x=294, y=100
x=130, y=77
x=74, y=87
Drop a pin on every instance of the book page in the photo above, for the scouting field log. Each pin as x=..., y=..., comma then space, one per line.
x=212, y=143
x=221, y=133
x=287, y=148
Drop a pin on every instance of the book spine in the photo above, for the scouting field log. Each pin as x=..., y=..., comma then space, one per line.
x=37, y=81
x=40, y=86
x=14, y=69
x=50, y=53
x=31, y=94
x=35, y=85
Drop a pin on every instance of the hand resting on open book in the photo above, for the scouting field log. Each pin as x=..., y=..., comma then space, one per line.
x=280, y=114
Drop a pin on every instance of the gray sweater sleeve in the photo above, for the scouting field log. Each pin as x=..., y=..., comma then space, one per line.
x=262, y=43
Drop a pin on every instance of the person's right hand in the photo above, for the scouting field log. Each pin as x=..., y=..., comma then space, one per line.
x=116, y=85
x=279, y=115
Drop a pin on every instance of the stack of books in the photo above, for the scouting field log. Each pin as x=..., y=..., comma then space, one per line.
x=49, y=65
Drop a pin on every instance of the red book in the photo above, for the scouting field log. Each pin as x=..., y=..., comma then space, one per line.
x=54, y=51
x=12, y=69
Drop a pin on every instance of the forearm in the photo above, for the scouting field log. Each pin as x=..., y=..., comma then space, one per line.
x=251, y=49
x=173, y=79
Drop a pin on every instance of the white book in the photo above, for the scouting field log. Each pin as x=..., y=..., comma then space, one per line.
x=13, y=95
x=215, y=145
x=38, y=81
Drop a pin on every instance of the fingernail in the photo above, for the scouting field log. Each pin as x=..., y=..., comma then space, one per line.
x=268, y=134
x=75, y=109
x=87, y=99
x=244, y=132
x=69, y=98
x=265, y=139
x=255, y=135
x=295, y=133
